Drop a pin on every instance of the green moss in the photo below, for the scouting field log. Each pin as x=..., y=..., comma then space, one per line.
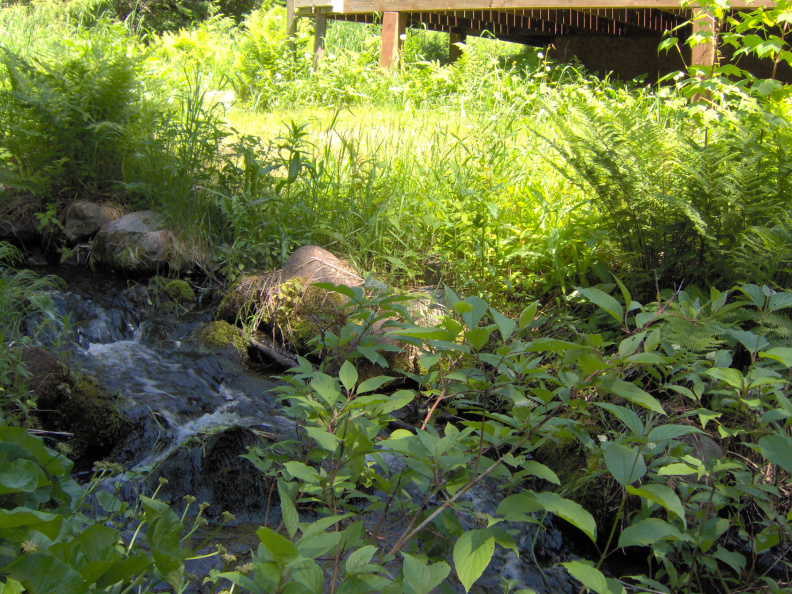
x=302, y=312
x=91, y=415
x=180, y=291
x=219, y=335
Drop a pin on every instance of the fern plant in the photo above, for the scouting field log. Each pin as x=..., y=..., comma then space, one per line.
x=674, y=199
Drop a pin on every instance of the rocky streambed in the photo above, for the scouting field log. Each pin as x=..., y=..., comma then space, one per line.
x=152, y=373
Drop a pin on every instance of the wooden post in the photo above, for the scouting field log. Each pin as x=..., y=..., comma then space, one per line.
x=454, y=51
x=394, y=24
x=704, y=55
x=320, y=32
x=291, y=24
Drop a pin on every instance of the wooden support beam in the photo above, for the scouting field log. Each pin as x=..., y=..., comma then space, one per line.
x=394, y=25
x=454, y=37
x=291, y=24
x=320, y=32
x=704, y=54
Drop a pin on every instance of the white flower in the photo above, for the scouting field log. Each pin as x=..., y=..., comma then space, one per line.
x=602, y=438
x=540, y=55
x=403, y=36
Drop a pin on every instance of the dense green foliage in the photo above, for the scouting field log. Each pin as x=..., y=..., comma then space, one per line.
x=504, y=176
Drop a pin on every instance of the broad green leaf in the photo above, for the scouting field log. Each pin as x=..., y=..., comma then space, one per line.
x=279, y=546
x=591, y=577
x=302, y=472
x=20, y=476
x=634, y=394
x=431, y=333
x=554, y=345
x=305, y=573
x=781, y=354
x=373, y=383
x=291, y=518
x=45, y=574
x=767, y=539
x=323, y=437
x=780, y=300
x=647, y=532
x=348, y=375
x=318, y=545
x=341, y=289
x=528, y=315
x=421, y=578
x=662, y=495
x=665, y=432
x=568, y=510
x=11, y=587
x=123, y=570
x=396, y=401
x=626, y=464
x=473, y=317
x=540, y=470
x=604, y=302
x=629, y=345
x=755, y=294
x=478, y=337
x=731, y=558
x=677, y=469
x=516, y=508
x=22, y=519
x=778, y=450
x=506, y=326
x=472, y=553
x=752, y=342
x=326, y=387
x=359, y=558
x=729, y=376
x=625, y=415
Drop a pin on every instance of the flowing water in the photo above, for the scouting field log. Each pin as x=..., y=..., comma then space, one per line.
x=194, y=412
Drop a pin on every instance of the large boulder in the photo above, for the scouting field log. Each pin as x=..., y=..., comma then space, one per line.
x=316, y=265
x=137, y=242
x=84, y=219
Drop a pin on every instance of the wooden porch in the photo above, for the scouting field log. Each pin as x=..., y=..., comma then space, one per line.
x=541, y=23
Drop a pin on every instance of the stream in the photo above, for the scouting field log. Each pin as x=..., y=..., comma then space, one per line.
x=193, y=412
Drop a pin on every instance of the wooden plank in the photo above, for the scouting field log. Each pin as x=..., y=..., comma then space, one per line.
x=704, y=54
x=320, y=32
x=394, y=24
x=291, y=24
x=371, y=6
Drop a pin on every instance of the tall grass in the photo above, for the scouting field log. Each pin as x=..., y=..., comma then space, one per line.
x=501, y=174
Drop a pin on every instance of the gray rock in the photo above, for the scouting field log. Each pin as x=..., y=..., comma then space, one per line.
x=84, y=219
x=135, y=242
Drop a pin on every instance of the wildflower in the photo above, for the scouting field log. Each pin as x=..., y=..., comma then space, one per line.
x=244, y=569
x=29, y=547
x=188, y=499
x=540, y=55
x=602, y=438
x=228, y=557
x=228, y=516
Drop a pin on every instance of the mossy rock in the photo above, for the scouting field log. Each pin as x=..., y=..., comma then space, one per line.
x=245, y=298
x=180, y=291
x=219, y=335
x=84, y=409
x=302, y=312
